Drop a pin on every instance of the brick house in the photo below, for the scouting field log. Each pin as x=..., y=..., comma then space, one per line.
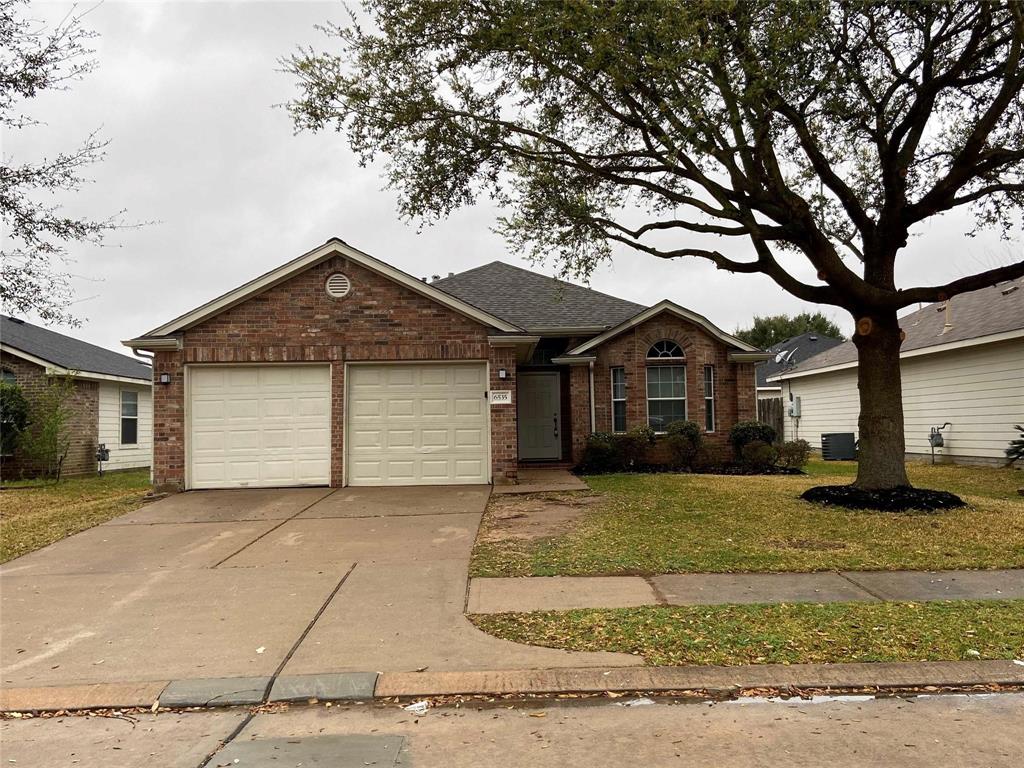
x=338, y=369
x=110, y=401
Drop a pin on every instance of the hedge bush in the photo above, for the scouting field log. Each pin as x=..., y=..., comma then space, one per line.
x=616, y=452
x=794, y=454
x=684, y=440
x=745, y=432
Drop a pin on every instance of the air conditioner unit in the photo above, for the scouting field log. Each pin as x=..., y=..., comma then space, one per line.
x=794, y=408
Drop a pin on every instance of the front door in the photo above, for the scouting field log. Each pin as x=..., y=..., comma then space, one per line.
x=539, y=415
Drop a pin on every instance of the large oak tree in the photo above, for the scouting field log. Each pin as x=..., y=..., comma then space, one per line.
x=828, y=130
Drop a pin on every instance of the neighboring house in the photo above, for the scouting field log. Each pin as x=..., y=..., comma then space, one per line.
x=111, y=402
x=961, y=362
x=785, y=356
x=338, y=369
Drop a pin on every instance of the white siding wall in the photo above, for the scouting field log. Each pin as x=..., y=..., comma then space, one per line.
x=128, y=456
x=980, y=390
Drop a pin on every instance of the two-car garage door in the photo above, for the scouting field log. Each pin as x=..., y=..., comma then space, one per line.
x=270, y=425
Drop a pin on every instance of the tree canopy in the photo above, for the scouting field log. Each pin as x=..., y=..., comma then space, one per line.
x=33, y=259
x=768, y=330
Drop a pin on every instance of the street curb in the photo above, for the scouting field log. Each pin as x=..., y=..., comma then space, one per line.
x=718, y=680
x=95, y=696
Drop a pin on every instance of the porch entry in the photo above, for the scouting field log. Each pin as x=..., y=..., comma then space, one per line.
x=538, y=395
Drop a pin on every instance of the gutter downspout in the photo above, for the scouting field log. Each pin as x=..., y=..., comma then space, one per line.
x=593, y=417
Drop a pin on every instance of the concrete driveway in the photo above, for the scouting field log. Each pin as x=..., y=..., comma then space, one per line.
x=259, y=582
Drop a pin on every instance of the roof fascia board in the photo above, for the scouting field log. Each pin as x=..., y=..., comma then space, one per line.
x=750, y=357
x=52, y=369
x=574, y=360
x=293, y=267
x=568, y=330
x=919, y=352
x=164, y=344
x=647, y=314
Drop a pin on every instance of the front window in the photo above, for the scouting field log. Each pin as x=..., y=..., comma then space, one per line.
x=709, y=398
x=666, y=395
x=129, y=417
x=618, y=399
x=8, y=377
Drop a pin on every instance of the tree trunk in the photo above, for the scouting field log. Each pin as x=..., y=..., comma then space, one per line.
x=882, y=448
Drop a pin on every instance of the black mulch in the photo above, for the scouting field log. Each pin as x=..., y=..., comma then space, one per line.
x=900, y=499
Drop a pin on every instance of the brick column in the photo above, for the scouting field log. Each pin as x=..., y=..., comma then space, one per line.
x=169, y=422
x=504, y=433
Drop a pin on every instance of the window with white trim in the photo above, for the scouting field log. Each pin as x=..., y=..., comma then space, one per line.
x=666, y=395
x=129, y=417
x=709, y=398
x=618, y=399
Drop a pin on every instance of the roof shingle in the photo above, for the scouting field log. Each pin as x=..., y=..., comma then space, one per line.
x=69, y=353
x=987, y=311
x=536, y=302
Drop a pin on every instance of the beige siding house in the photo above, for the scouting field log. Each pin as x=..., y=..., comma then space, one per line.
x=116, y=398
x=962, y=365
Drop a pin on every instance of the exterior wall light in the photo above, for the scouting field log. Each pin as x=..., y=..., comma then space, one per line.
x=165, y=378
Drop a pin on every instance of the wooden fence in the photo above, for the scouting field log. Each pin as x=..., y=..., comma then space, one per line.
x=770, y=412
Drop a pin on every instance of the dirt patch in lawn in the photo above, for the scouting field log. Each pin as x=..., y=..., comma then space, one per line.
x=534, y=516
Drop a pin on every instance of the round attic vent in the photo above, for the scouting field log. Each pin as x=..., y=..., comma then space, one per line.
x=338, y=286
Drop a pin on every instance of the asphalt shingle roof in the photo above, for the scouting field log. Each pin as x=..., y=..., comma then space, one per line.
x=534, y=301
x=987, y=311
x=804, y=346
x=69, y=353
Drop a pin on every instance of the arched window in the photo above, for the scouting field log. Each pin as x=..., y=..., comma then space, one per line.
x=665, y=350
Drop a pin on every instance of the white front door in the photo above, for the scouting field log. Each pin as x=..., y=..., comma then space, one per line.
x=417, y=424
x=539, y=415
x=259, y=425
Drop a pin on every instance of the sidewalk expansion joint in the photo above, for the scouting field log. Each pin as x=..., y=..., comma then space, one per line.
x=858, y=585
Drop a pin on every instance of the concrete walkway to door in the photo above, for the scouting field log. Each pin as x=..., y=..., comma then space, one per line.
x=255, y=583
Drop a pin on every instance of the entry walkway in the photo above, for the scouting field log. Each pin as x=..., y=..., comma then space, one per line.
x=552, y=593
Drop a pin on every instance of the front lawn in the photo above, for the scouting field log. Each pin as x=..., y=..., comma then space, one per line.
x=669, y=523
x=35, y=513
x=778, y=634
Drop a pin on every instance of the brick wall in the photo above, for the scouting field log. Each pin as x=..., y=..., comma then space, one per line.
x=735, y=393
x=297, y=321
x=82, y=425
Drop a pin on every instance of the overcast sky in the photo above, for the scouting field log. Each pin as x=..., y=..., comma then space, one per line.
x=185, y=92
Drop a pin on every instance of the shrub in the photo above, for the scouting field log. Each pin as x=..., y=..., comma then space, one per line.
x=632, y=446
x=1016, y=450
x=745, y=432
x=14, y=411
x=758, y=455
x=45, y=442
x=710, y=457
x=684, y=440
x=794, y=454
x=612, y=452
x=598, y=454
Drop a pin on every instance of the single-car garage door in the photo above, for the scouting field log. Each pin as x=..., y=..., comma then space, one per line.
x=422, y=424
x=253, y=426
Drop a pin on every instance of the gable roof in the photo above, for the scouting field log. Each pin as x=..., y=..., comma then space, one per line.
x=744, y=350
x=332, y=247
x=979, y=317
x=798, y=349
x=536, y=302
x=52, y=349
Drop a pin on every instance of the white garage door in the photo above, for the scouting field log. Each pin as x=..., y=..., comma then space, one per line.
x=255, y=426
x=416, y=424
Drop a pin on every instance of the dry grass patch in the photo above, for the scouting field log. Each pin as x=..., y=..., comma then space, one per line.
x=34, y=513
x=668, y=523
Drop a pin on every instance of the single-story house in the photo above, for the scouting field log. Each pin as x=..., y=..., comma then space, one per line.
x=962, y=365
x=111, y=402
x=338, y=369
x=786, y=355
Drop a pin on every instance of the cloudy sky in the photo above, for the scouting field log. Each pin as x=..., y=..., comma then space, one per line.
x=186, y=91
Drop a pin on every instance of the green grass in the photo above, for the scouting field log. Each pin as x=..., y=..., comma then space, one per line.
x=667, y=523
x=783, y=634
x=35, y=513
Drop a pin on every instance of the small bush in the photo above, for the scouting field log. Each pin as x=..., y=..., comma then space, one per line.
x=711, y=457
x=632, y=446
x=745, y=432
x=613, y=452
x=794, y=454
x=1016, y=450
x=758, y=455
x=684, y=440
x=14, y=414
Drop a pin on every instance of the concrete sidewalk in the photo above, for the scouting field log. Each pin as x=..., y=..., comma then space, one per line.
x=556, y=593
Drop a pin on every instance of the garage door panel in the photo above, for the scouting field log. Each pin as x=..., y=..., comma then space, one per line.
x=428, y=424
x=257, y=426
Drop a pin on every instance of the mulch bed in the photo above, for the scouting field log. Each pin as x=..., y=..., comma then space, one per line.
x=903, y=498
